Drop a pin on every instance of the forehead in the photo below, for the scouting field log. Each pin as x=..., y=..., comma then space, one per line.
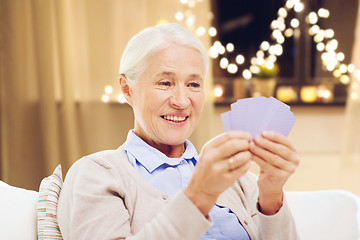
x=176, y=59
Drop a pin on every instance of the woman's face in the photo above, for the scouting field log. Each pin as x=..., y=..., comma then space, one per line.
x=168, y=97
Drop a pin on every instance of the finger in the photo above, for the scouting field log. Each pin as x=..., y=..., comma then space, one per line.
x=241, y=170
x=264, y=166
x=269, y=158
x=235, y=162
x=222, y=138
x=278, y=138
x=276, y=148
x=239, y=159
x=267, y=167
x=227, y=149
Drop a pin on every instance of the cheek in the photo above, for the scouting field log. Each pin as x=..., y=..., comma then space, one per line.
x=198, y=103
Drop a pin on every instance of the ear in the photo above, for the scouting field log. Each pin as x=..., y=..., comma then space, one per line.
x=125, y=88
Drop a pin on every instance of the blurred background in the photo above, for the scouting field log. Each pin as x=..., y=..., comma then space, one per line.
x=60, y=99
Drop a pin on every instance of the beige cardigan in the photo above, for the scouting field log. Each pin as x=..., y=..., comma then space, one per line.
x=103, y=197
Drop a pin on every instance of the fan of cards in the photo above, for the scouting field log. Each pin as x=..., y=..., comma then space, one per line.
x=257, y=114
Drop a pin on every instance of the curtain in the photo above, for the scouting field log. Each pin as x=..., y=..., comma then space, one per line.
x=38, y=85
x=351, y=149
x=56, y=56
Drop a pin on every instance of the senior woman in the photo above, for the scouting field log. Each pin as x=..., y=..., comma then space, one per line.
x=155, y=186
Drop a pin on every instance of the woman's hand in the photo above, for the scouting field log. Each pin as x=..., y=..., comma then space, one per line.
x=222, y=161
x=278, y=160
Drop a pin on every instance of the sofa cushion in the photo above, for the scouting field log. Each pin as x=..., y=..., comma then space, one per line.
x=17, y=213
x=49, y=192
x=327, y=214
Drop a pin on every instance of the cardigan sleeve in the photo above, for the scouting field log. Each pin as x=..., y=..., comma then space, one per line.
x=91, y=207
x=280, y=226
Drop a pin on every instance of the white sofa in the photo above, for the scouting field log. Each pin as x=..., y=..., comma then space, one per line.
x=330, y=215
x=18, y=215
x=319, y=215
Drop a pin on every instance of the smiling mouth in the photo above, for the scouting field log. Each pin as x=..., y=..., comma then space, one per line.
x=175, y=118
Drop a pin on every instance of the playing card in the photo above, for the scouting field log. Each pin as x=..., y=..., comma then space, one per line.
x=226, y=119
x=254, y=115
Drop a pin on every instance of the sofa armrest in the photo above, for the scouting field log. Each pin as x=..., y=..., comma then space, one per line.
x=330, y=214
x=18, y=216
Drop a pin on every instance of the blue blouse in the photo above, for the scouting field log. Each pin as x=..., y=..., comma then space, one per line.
x=170, y=175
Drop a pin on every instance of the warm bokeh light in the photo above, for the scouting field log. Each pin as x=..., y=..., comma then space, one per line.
x=254, y=69
x=324, y=93
x=240, y=59
x=314, y=30
x=265, y=45
x=343, y=68
x=312, y=18
x=212, y=32
x=354, y=96
x=345, y=79
x=308, y=94
x=357, y=74
x=289, y=32
x=351, y=68
x=179, y=16
x=224, y=62
x=105, y=98
x=247, y=74
x=320, y=47
x=337, y=73
x=108, y=89
x=319, y=37
x=232, y=68
x=329, y=33
x=299, y=7
x=200, y=31
x=260, y=54
x=213, y=53
x=294, y=23
x=121, y=98
x=286, y=94
x=282, y=12
x=290, y=4
x=230, y=47
x=259, y=61
x=324, y=13
x=218, y=91
x=340, y=56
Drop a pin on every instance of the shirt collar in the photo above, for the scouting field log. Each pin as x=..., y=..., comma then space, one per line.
x=151, y=158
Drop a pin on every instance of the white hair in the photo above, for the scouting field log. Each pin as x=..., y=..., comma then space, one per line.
x=152, y=40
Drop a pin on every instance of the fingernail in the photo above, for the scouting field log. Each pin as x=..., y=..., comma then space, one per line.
x=266, y=133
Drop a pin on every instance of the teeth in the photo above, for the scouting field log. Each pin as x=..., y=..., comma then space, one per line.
x=174, y=118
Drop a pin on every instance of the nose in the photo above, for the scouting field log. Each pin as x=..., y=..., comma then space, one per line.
x=180, y=98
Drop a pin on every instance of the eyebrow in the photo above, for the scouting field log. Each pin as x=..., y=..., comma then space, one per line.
x=195, y=76
x=171, y=74
x=164, y=73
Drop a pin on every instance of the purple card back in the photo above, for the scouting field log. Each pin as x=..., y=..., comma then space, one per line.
x=257, y=114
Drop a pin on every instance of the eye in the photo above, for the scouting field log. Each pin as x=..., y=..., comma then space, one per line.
x=194, y=85
x=164, y=83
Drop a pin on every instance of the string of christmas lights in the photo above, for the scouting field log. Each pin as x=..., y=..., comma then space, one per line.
x=268, y=52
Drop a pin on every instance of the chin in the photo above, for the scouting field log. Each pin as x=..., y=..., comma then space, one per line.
x=174, y=139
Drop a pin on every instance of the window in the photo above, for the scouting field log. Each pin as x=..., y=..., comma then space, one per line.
x=302, y=78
